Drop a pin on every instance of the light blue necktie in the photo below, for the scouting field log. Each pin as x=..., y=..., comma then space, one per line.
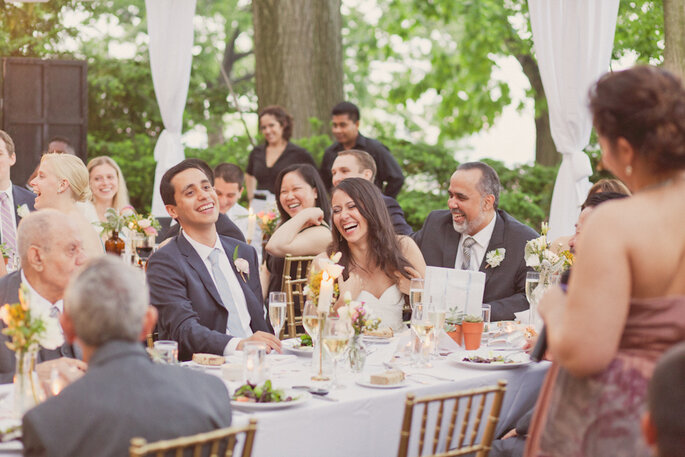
x=235, y=328
x=467, y=251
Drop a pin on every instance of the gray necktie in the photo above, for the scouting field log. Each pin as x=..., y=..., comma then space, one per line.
x=235, y=328
x=467, y=251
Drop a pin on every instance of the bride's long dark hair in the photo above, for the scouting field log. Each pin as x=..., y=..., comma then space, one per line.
x=384, y=247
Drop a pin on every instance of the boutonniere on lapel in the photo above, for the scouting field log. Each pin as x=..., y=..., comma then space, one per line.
x=23, y=211
x=241, y=265
x=495, y=257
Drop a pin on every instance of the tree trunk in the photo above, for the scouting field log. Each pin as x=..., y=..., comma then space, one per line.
x=545, y=150
x=674, y=49
x=298, y=59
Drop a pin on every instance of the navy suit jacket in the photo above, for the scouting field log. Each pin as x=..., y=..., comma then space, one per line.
x=9, y=293
x=189, y=305
x=505, y=285
x=397, y=216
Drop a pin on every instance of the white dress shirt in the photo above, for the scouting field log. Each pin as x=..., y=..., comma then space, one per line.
x=41, y=305
x=13, y=208
x=482, y=240
x=233, y=284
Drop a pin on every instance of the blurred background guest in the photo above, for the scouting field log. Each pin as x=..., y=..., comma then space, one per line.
x=626, y=299
x=305, y=215
x=124, y=394
x=62, y=180
x=608, y=185
x=12, y=198
x=229, y=184
x=663, y=425
x=379, y=264
x=107, y=186
x=267, y=160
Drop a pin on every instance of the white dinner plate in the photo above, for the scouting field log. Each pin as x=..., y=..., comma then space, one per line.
x=366, y=382
x=520, y=362
x=299, y=397
x=292, y=345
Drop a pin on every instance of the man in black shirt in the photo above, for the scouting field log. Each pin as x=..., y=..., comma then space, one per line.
x=345, y=126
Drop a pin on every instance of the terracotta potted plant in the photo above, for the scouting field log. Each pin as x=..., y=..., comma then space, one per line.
x=472, y=328
x=453, y=327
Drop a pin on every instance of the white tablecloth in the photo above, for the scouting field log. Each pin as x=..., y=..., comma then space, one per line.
x=365, y=421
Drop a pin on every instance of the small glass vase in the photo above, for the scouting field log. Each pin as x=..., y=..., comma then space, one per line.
x=357, y=354
x=27, y=389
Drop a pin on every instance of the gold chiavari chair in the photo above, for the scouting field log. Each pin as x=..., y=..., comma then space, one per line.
x=295, y=271
x=214, y=441
x=466, y=419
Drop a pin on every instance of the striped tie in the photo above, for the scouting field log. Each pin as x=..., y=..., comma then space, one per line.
x=9, y=230
x=467, y=251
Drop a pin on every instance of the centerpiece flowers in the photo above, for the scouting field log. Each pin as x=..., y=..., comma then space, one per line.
x=541, y=257
x=28, y=330
x=268, y=221
x=137, y=223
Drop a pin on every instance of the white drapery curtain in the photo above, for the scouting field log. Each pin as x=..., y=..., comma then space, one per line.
x=170, y=27
x=573, y=41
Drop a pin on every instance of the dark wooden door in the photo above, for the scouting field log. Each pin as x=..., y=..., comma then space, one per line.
x=42, y=99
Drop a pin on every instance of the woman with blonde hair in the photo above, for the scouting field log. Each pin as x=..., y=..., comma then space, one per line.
x=62, y=180
x=107, y=186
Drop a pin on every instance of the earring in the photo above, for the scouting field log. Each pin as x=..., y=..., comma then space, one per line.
x=629, y=170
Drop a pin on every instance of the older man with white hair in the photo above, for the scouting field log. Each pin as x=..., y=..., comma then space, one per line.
x=123, y=394
x=50, y=249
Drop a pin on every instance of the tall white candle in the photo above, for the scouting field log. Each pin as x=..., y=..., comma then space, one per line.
x=251, y=220
x=325, y=293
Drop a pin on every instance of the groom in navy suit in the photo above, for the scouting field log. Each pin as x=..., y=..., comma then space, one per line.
x=204, y=285
x=16, y=196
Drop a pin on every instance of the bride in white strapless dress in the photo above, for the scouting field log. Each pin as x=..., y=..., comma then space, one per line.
x=379, y=264
x=387, y=307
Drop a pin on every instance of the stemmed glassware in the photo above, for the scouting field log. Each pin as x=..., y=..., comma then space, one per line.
x=416, y=291
x=436, y=315
x=336, y=336
x=277, y=311
x=532, y=294
x=311, y=321
x=422, y=326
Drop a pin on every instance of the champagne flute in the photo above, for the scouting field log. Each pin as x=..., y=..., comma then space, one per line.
x=533, y=296
x=415, y=291
x=422, y=326
x=336, y=336
x=277, y=311
x=436, y=315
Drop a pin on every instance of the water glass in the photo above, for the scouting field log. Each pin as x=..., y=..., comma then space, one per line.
x=277, y=311
x=255, y=369
x=422, y=327
x=167, y=350
x=533, y=296
x=416, y=291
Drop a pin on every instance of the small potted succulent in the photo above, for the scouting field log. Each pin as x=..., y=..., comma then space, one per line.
x=472, y=328
x=453, y=326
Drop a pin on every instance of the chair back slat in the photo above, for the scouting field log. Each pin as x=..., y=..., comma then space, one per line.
x=213, y=441
x=475, y=433
x=293, y=286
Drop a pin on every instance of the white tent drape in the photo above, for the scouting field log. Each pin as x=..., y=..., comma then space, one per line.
x=573, y=41
x=170, y=27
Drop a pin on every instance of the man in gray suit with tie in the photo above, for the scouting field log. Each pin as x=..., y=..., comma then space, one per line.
x=205, y=285
x=50, y=249
x=124, y=394
x=462, y=236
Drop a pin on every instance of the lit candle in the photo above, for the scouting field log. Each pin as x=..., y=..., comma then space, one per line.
x=325, y=293
x=251, y=220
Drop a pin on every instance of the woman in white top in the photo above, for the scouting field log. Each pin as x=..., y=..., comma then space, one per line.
x=107, y=186
x=62, y=180
x=379, y=264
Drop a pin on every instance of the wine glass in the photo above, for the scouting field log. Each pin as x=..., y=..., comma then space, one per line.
x=144, y=245
x=336, y=336
x=310, y=320
x=415, y=291
x=277, y=311
x=533, y=296
x=422, y=326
